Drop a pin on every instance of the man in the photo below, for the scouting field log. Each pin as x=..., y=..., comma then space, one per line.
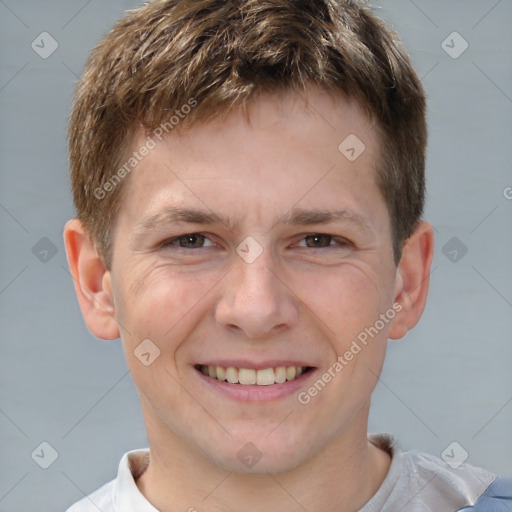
x=249, y=184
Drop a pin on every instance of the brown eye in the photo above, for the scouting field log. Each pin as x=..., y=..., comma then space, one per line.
x=318, y=240
x=190, y=241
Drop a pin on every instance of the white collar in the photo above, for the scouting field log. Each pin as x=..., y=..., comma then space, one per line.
x=126, y=494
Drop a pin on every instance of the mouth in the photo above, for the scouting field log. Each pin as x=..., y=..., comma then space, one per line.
x=269, y=376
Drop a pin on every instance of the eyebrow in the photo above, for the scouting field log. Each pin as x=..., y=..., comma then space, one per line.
x=297, y=216
x=176, y=214
x=304, y=217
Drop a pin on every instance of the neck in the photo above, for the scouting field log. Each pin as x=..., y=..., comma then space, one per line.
x=344, y=476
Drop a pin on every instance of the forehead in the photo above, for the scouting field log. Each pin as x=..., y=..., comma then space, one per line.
x=282, y=150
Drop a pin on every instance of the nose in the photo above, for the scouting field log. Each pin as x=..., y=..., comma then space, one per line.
x=255, y=300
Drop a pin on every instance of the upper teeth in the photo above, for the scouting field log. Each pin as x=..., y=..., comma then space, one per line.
x=264, y=377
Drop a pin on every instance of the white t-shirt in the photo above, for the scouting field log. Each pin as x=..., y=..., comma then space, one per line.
x=416, y=482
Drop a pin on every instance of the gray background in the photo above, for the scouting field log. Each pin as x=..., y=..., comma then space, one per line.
x=449, y=380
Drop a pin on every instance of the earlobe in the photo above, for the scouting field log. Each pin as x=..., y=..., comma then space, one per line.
x=93, y=282
x=412, y=280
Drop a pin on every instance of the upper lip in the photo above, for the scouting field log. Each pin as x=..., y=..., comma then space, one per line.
x=260, y=365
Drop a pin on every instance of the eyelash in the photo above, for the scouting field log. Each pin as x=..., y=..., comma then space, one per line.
x=342, y=242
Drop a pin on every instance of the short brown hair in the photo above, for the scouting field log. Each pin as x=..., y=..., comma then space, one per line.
x=220, y=53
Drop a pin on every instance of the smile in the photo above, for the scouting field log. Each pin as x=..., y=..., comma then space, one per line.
x=251, y=376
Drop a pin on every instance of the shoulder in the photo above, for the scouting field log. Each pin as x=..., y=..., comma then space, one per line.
x=101, y=499
x=420, y=481
x=449, y=481
x=497, y=497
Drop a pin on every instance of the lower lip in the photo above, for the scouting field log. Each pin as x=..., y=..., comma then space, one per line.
x=255, y=393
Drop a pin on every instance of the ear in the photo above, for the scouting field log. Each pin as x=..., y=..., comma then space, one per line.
x=92, y=280
x=412, y=279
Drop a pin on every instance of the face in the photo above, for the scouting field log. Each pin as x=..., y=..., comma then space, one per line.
x=246, y=249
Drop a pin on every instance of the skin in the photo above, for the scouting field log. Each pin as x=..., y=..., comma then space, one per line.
x=303, y=298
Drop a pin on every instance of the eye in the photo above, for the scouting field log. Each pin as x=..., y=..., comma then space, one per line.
x=189, y=241
x=320, y=240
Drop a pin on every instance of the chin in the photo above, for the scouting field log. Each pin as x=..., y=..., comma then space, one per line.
x=262, y=456
x=272, y=464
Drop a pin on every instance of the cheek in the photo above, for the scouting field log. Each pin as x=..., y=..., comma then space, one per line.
x=348, y=299
x=160, y=304
x=350, y=302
